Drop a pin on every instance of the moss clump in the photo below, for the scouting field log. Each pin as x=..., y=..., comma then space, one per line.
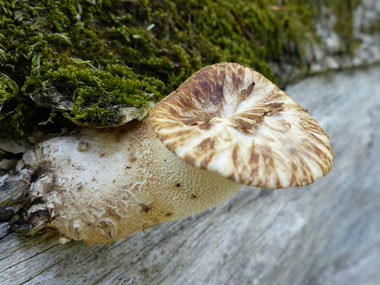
x=91, y=59
x=89, y=94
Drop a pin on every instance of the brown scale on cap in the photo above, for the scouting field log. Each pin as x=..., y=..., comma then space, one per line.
x=230, y=119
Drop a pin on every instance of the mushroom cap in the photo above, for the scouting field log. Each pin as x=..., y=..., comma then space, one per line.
x=231, y=119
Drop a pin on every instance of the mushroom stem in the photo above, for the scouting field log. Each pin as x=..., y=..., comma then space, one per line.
x=102, y=185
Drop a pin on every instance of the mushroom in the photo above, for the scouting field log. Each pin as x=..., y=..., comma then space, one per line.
x=225, y=126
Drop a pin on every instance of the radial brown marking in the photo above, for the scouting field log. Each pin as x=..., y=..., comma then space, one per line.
x=236, y=80
x=271, y=162
x=241, y=72
x=246, y=92
x=320, y=165
x=172, y=144
x=244, y=126
x=182, y=140
x=172, y=111
x=205, y=125
x=317, y=138
x=254, y=117
x=275, y=94
x=318, y=151
x=203, y=121
x=268, y=159
x=273, y=108
x=254, y=157
x=183, y=132
x=235, y=157
x=206, y=87
x=186, y=104
x=278, y=181
x=206, y=144
x=303, y=168
x=306, y=170
x=254, y=172
x=293, y=179
x=218, y=96
x=222, y=77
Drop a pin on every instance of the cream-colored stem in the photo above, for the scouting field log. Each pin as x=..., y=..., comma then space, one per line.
x=102, y=185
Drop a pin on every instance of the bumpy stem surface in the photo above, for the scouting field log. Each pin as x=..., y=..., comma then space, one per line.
x=102, y=185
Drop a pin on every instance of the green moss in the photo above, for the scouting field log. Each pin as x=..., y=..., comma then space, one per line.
x=90, y=59
x=89, y=94
x=343, y=11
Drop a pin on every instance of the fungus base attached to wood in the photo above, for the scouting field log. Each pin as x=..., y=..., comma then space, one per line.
x=225, y=126
x=102, y=185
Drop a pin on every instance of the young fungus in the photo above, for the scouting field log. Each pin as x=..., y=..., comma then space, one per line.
x=225, y=126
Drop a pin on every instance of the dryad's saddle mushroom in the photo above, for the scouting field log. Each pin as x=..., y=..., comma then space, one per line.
x=227, y=125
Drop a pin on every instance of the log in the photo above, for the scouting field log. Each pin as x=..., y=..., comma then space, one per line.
x=326, y=233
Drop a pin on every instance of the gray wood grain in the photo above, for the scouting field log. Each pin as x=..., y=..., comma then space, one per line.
x=326, y=233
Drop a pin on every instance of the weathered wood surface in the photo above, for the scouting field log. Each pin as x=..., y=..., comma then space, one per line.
x=327, y=233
